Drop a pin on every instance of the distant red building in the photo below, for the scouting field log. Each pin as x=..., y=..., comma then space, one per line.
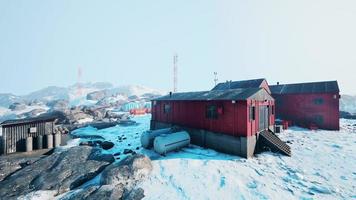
x=253, y=83
x=308, y=104
x=227, y=120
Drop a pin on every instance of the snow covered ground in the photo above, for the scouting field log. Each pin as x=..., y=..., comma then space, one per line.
x=323, y=166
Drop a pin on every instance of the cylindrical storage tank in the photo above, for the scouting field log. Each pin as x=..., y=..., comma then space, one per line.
x=29, y=144
x=170, y=142
x=57, y=140
x=39, y=142
x=49, y=141
x=148, y=136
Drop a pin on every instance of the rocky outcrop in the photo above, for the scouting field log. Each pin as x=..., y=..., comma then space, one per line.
x=127, y=172
x=60, y=172
x=9, y=164
x=97, y=95
x=118, y=181
x=60, y=104
x=17, y=106
x=35, y=112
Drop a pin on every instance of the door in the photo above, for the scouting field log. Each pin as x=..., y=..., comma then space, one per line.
x=263, y=118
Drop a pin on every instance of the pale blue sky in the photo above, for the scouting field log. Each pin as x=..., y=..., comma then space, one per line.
x=43, y=43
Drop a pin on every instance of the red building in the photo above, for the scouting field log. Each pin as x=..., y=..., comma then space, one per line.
x=228, y=120
x=308, y=104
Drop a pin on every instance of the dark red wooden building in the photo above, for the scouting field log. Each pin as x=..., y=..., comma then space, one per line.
x=308, y=104
x=227, y=120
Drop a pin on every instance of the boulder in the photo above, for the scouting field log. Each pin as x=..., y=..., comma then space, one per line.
x=128, y=172
x=118, y=181
x=60, y=172
x=107, y=145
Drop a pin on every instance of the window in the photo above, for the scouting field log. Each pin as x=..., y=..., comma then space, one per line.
x=272, y=110
x=318, y=101
x=211, y=112
x=252, y=112
x=167, y=108
x=318, y=119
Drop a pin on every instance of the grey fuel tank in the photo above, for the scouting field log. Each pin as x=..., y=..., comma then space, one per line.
x=170, y=142
x=148, y=136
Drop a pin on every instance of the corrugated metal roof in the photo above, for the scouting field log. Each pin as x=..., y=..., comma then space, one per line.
x=313, y=87
x=233, y=94
x=254, y=83
x=27, y=120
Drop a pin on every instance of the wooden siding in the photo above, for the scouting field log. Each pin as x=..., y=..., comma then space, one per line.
x=14, y=136
x=304, y=109
x=233, y=121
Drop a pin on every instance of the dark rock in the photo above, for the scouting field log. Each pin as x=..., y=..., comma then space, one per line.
x=90, y=137
x=347, y=115
x=137, y=148
x=117, y=154
x=59, y=171
x=17, y=106
x=135, y=194
x=107, y=145
x=127, y=151
x=9, y=164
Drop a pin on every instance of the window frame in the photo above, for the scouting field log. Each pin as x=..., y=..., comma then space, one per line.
x=167, y=108
x=252, y=113
x=211, y=111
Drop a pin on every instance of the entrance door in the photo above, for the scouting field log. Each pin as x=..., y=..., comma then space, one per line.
x=263, y=118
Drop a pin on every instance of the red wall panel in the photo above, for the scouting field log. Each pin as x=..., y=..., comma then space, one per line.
x=304, y=110
x=233, y=121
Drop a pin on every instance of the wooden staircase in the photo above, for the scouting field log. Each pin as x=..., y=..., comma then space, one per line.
x=269, y=139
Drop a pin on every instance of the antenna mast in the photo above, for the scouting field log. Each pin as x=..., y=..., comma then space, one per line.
x=216, y=78
x=79, y=88
x=175, y=69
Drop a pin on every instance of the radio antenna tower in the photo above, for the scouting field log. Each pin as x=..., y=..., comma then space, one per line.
x=79, y=87
x=175, y=69
x=216, y=78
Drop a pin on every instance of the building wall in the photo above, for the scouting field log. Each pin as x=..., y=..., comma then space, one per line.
x=265, y=85
x=306, y=109
x=233, y=121
x=14, y=135
x=241, y=146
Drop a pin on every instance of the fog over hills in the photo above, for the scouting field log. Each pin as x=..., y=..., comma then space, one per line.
x=74, y=92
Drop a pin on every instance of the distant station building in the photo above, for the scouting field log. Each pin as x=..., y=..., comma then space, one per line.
x=253, y=83
x=308, y=105
x=26, y=134
x=228, y=120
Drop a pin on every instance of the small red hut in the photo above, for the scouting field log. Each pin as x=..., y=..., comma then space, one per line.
x=227, y=120
x=308, y=105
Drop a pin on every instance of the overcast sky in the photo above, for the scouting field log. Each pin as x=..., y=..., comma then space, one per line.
x=43, y=43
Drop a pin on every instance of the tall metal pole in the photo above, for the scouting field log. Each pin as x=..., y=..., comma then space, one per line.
x=216, y=78
x=175, y=69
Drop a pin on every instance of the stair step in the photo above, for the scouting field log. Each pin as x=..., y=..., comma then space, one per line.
x=274, y=142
